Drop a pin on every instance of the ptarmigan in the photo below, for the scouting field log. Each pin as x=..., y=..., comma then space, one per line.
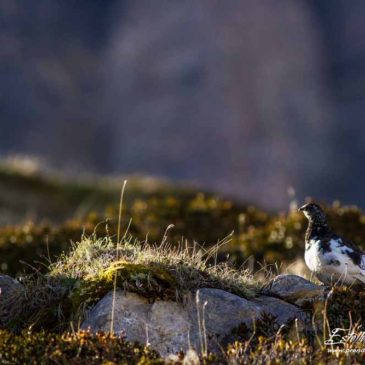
x=333, y=259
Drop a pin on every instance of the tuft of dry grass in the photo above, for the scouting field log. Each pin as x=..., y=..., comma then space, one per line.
x=80, y=278
x=190, y=266
x=39, y=303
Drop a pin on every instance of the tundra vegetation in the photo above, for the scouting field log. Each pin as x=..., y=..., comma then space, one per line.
x=66, y=255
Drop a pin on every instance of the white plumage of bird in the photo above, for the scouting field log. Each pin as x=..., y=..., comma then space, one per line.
x=332, y=258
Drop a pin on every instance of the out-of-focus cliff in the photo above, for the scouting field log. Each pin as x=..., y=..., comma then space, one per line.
x=244, y=97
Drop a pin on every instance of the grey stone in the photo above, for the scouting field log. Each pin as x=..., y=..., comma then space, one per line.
x=225, y=311
x=205, y=320
x=219, y=313
x=294, y=289
x=130, y=316
x=7, y=285
x=280, y=310
x=169, y=327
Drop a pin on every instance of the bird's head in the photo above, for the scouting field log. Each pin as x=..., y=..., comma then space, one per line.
x=313, y=212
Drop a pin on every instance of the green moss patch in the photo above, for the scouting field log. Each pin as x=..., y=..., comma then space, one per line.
x=151, y=281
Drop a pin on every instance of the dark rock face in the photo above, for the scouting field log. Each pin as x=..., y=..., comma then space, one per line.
x=235, y=96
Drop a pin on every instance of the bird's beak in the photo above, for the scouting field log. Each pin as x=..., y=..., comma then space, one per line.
x=301, y=209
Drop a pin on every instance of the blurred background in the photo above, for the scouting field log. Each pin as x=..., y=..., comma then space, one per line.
x=246, y=98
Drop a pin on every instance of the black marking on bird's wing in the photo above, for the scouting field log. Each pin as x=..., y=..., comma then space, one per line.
x=334, y=262
x=353, y=246
x=325, y=245
x=345, y=242
x=356, y=255
x=340, y=240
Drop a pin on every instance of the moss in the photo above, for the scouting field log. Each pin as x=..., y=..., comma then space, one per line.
x=279, y=350
x=84, y=348
x=78, y=348
x=94, y=267
x=195, y=216
x=86, y=271
x=28, y=246
x=151, y=207
x=345, y=307
x=269, y=239
x=49, y=196
x=151, y=281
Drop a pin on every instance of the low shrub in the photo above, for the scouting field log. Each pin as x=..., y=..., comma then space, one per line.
x=84, y=348
x=72, y=348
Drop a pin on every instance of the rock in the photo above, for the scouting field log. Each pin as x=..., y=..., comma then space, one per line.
x=282, y=311
x=219, y=312
x=170, y=327
x=224, y=311
x=294, y=289
x=10, y=293
x=8, y=285
x=165, y=325
x=130, y=315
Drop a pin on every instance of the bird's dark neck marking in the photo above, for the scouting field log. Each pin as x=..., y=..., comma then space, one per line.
x=316, y=230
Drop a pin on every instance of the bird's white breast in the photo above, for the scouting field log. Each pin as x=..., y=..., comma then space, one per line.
x=313, y=256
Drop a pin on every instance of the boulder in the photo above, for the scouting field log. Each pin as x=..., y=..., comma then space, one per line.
x=205, y=319
x=170, y=327
x=294, y=289
x=225, y=311
x=130, y=315
x=219, y=313
x=281, y=311
x=8, y=285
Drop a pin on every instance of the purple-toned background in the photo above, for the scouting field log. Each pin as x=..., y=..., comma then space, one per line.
x=246, y=97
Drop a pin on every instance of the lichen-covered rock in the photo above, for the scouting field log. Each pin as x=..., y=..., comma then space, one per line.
x=7, y=285
x=204, y=320
x=294, y=289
